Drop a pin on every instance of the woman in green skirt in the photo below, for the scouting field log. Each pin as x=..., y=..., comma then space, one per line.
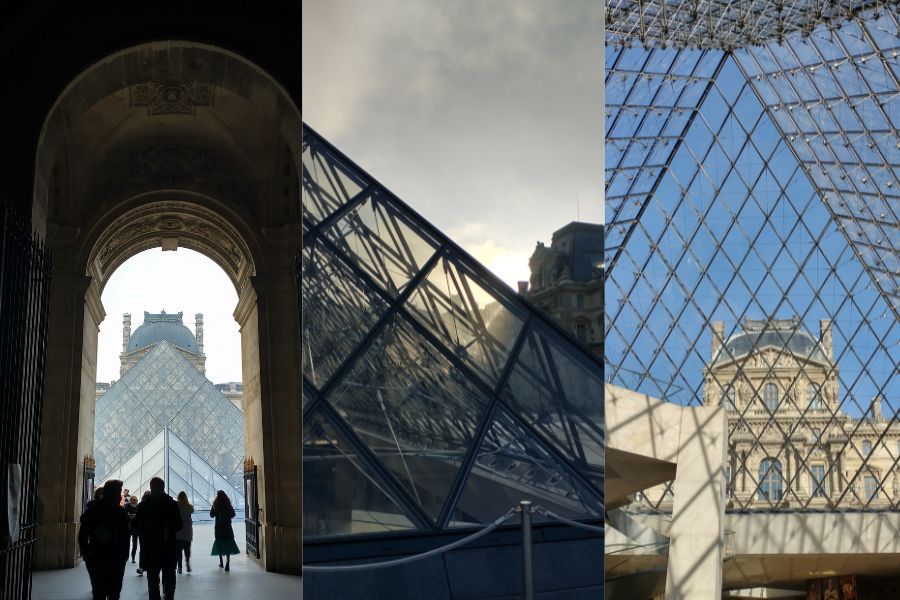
x=223, y=512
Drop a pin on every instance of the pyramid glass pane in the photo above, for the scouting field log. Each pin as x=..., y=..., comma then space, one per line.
x=415, y=411
x=419, y=347
x=164, y=390
x=760, y=263
x=340, y=496
x=512, y=466
x=555, y=392
x=461, y=311
x=338, y=309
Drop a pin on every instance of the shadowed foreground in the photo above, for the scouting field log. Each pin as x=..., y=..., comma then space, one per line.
x=246, y=579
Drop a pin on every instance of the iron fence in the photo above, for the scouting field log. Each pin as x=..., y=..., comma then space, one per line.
x=25, y=268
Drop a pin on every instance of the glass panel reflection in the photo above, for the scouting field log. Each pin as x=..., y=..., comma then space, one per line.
x=415, y=411
x=471, y=320
x=512, y=466
x=339, y=495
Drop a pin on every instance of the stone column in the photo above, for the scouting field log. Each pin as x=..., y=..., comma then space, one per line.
x=67, y=420
x=269, y=317
x=698, y=514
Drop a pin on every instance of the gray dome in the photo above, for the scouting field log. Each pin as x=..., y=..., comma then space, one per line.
x=798, y=342
x=162, y=327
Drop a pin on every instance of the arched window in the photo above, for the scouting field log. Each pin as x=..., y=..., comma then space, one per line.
x=771, y=485
x=871, y=484
x=867, y=447
x=728, y=398
x=770, y=396
x=813, y=398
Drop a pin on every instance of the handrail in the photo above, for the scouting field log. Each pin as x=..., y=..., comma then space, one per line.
x=408, y=559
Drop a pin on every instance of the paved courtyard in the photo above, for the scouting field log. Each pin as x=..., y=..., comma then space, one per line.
x=246, y=580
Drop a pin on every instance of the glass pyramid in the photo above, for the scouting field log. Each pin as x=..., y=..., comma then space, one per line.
x=167, y=456
x=434, y=396
x=164, y=390
x=754, y=184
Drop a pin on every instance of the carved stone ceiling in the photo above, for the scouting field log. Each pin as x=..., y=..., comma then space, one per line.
x=172, y=225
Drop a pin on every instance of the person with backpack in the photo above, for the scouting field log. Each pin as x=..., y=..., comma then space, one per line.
x=103, y=540
x=158, y=520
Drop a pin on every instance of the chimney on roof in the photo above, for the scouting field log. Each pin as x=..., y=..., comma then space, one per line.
x=198, y=331
x=126, y=331
x=718, y=337
x=825, y=335
x=876, y=409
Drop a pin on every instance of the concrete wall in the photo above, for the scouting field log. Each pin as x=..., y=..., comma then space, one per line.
x=564, y=569
x=815, y=533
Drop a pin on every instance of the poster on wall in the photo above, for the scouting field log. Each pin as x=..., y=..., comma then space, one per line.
x=814, y=590
x=848, y=587
x=830, y=589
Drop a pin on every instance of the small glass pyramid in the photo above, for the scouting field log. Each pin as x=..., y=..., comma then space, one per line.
x=167, y=456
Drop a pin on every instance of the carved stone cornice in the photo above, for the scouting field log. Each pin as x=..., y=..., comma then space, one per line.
x=246, y=303
x=93, y=305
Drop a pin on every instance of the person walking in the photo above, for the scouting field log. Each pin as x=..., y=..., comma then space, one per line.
x=224, y=545
x=158, y=520
x=186, y=534
x=140, y=567
x=103, y=540
x=131, y=511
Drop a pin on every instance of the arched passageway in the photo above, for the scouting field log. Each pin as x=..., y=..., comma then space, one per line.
x=172, y=144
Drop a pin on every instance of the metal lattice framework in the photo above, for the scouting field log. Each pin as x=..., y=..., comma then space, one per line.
x=764, y=183
x=725, y=24
x=434, y=396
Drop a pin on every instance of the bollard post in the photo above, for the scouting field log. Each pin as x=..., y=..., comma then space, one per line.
x=525, y=509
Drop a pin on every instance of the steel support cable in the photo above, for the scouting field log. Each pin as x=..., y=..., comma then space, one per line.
x=387, y=418
x=556, y=517
x=408, y=559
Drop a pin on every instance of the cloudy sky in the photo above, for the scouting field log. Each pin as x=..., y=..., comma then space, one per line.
x=484, y=115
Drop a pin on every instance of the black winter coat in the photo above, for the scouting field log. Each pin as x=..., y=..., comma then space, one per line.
x=157, y=521
x=103, y=533
x=223, y=518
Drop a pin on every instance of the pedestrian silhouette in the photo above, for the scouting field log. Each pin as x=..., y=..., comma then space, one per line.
x=157, y=521
x=131, y=510
x=224, y=545
x=186, y=535
x=140, y=567
x=103, y=540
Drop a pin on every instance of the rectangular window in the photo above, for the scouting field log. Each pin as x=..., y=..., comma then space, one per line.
x=871, y=488
x=817, y=436
x=581, y=331
x=818, y=480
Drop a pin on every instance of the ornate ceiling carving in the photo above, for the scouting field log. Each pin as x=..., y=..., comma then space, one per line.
x=171, y=97
x=191, y=225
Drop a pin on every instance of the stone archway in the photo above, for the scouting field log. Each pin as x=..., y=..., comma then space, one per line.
x=172, y=144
